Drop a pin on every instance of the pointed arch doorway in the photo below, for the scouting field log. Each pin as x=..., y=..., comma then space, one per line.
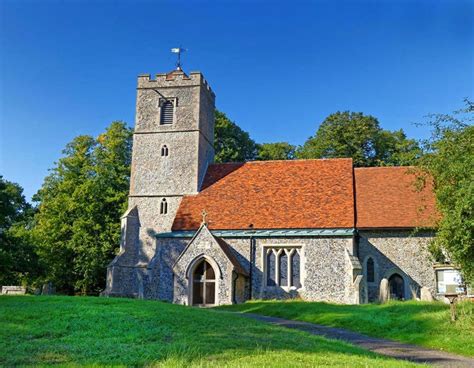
x=203, y=283
x=397, y=287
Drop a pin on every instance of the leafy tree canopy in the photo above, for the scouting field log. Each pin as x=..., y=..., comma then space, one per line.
x=450, y=161
x=231, y=143
x=276, y=151
x=18, y=261
x=359, y=136
x=13, y=206
x=80, y=202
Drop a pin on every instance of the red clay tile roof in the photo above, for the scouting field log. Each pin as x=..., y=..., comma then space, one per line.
x=307, y=194
x=386, y=197
x=273, y=195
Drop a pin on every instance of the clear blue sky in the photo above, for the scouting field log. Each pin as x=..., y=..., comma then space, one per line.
x=277, y=68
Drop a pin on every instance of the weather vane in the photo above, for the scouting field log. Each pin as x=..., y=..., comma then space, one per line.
x=178, y=50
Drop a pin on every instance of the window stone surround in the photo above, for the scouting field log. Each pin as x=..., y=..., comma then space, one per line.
x=289, y=249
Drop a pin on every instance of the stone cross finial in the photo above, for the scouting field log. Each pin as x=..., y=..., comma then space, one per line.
x=204, y=217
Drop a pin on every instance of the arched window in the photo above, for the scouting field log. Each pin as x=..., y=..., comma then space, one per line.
x=204, y=284
x=164, y=150
x=295, y=269
x=283, y=268
x=370, y=268
x=163, y=207
x=167, y=112
x=271, y=267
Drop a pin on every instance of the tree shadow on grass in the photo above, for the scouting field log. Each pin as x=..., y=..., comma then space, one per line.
x=72, y=330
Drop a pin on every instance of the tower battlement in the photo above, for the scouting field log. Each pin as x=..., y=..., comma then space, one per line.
x=176, y=78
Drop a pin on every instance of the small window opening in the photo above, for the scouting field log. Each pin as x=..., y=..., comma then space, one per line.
x=163, y=207
x=370, y=270
x=167, y=112
x=164, y=151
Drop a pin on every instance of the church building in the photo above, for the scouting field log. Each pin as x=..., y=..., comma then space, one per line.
x=201, y=233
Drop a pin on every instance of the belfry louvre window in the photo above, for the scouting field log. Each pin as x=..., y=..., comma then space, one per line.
x=282, y=267
x=167, y=112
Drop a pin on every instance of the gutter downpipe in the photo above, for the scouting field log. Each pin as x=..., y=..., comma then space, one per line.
x=252, y=261
x=235, y=276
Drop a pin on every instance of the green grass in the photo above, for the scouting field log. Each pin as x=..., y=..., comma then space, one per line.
x=425, y=324
x=78, y=331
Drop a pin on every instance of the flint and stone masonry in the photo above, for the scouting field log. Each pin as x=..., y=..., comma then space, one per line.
x=157, y=262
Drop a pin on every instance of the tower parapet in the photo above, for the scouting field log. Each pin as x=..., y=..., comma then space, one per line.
x=174, y=79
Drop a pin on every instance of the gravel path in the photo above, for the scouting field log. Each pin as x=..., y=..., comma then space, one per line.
x=380, y=346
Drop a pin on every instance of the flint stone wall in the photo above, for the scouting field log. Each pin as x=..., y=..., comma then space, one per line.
x=152, y=222
x=122, y=281
x=177, y=173
x=326, y=272
x=402, y=252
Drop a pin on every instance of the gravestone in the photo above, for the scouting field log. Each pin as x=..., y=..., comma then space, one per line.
x=384, y=291
x=425, y=295
x=48, y=289
x=13, y=290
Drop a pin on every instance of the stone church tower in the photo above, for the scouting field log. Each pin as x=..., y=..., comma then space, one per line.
x=172, y=148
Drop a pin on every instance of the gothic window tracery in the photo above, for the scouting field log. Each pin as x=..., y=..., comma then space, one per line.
x=282, y=267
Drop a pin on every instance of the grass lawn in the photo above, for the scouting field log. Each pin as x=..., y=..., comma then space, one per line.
x=67, y=331
x=425, y=324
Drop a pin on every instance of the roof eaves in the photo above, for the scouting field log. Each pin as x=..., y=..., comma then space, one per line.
x=270, y=233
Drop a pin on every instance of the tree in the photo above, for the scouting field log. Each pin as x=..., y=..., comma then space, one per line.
x=395, y=149
x=18, y=260
x=276, y=151
x=80, y=202
x=231, y=143
x=359, y=136
x=449, y=159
